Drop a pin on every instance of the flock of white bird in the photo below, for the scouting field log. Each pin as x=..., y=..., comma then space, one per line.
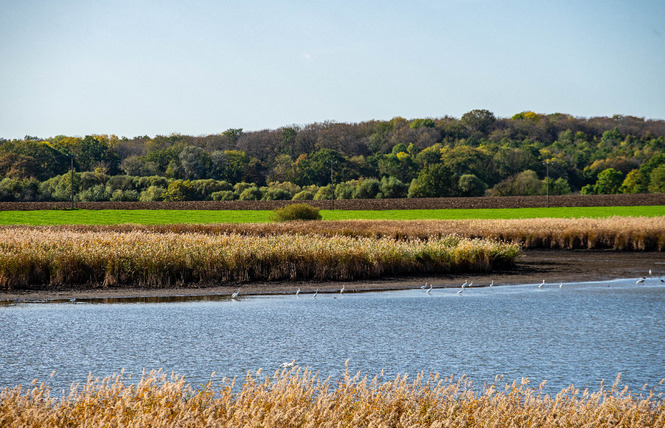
x=428, y=287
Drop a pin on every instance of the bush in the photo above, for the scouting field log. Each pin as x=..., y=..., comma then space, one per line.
x=304, y=195
x=152, y=194
x=124, y=196
x=276, y=194
x=224, y=195
x=367, y=189
x=251, y=194
x=297, y=212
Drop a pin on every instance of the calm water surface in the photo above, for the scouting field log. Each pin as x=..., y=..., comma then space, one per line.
x=579, y=334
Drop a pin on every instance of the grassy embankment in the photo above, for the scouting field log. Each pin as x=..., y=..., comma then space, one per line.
x=300, y=398
x=58, y=217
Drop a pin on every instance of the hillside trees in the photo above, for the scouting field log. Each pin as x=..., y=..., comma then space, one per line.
x=443, y=156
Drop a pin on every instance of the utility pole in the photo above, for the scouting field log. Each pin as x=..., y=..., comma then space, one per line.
x=332, y=185
x=547, y=182
x=71, y=177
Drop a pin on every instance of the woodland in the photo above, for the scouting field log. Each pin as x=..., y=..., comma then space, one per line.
x=478, y=154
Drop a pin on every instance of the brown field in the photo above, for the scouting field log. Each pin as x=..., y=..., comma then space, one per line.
x=615, y=233
x=298, y=398
x=365, y=204
x=62, y=257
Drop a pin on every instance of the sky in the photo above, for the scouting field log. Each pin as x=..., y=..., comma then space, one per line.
x=198, y=67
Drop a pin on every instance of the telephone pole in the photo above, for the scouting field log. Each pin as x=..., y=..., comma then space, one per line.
x=71, y=178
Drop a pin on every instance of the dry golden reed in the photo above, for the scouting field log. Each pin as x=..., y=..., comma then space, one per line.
x=617, y=233
x=298, y=398
x=54, y=257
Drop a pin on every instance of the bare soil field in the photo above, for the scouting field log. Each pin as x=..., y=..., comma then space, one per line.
x=364, y=204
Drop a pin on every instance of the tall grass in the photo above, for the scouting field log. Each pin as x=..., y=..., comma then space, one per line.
x=299, y=398
x=54, y=257
x=617, y=233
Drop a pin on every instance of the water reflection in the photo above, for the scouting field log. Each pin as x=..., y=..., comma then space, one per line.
x=580, y=333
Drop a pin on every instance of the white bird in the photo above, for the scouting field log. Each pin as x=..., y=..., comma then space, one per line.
x=541, y=284
x=422, y=287
x=297, y=292
x=561, y=285
x=234, y=295
x=343, y=288
x=639, y=281
x=429, y=289
x=492, y=283
x=315, y=294
x=287, y=365
x=460, y=290
x=465, y=282
x=649, y=271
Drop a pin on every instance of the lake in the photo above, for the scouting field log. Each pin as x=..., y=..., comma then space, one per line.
x=578, y=334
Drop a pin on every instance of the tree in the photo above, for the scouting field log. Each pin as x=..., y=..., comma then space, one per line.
x=367, y=189
x=179, y=190
x=392, y=188
x=470, y=185
x=635, y=182
x=523, y=184
x=195, y=163
x=609, y=181
x=657, y=180
x=434, y=181
x=479, y=120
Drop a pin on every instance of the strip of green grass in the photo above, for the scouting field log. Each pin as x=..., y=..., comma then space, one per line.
x=503, y=213
x=58, y=217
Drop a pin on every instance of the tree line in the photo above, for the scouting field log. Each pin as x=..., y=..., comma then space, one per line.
x=477, y=154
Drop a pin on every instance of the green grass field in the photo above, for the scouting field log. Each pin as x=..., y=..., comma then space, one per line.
x=58, y=217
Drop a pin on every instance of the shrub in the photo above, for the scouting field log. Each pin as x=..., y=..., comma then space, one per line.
x=124, y=196
x=276, y=194
x=152, y=194
x=305, y=195
x=223, y=195
x=96, y=194
x=297, y=212
x=367, y=189
x=251, y=194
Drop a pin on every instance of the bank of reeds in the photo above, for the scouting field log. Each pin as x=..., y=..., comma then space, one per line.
x=298, y=398
x=53, y=257
x=617, y=233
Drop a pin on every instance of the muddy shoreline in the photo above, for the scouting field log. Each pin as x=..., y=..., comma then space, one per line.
x=553, y=266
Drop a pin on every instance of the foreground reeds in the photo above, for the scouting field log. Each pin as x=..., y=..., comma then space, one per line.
x=617, y=233
x=53, y=257
x=298, y=398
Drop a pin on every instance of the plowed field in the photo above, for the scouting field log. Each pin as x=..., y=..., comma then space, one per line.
x=365, y=204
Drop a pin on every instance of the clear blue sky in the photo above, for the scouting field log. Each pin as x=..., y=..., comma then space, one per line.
x=130, y=67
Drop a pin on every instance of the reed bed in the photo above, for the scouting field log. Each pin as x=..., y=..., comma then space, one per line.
x=617, y=233
x=298, y=398
x=54, y=257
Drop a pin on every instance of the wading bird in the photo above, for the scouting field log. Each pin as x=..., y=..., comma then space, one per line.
x=234, y=295
x=541, y=284
x=287, y=365
x=316, y=293
x=639, y=281
x=297, y=292
x=429, y=289
x=561, y=285
x=492, y=283
x=343, y=288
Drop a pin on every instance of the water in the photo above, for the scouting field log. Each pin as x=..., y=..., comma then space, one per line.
x=579, y=334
